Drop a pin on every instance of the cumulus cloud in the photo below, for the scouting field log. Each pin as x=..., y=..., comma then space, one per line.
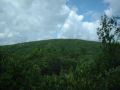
x=29, y=20
x=26, y=20
x=114, y=7
x=76, y=27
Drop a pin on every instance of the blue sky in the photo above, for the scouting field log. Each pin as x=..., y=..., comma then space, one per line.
x=33, y=20
x=88, y=6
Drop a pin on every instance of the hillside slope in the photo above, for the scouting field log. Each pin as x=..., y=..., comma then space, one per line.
x=52, y=64
x=61, y=46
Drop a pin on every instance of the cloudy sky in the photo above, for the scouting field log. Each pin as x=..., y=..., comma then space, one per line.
x=31, y=20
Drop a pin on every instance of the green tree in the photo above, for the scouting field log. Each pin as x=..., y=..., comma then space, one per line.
x=108, y=32
x=109, y=35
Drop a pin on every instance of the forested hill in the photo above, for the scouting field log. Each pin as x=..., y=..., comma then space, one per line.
x=57, y=46
x=65, y=64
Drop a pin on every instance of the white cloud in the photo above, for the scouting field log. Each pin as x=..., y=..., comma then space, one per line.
x=76, y=27
x=109, y=12
x=114, y=7
x=27, y=20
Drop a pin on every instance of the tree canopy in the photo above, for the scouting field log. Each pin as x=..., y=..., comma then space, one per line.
x=108, y=32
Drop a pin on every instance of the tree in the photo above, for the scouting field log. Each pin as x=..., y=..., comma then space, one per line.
x=108, y=32
x=109, y=35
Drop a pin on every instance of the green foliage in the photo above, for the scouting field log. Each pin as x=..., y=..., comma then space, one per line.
x=57, y=65
x=108, y=33
x=108, y=61
x=112, y=78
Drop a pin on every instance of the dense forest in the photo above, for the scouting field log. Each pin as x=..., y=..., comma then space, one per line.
x=64, y=64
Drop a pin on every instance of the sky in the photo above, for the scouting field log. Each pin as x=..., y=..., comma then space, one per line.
x=33, y=20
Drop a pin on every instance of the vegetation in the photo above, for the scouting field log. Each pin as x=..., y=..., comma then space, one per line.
x=52, y=64
x=109, y=33
x=63, y=64
x=109, y=60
